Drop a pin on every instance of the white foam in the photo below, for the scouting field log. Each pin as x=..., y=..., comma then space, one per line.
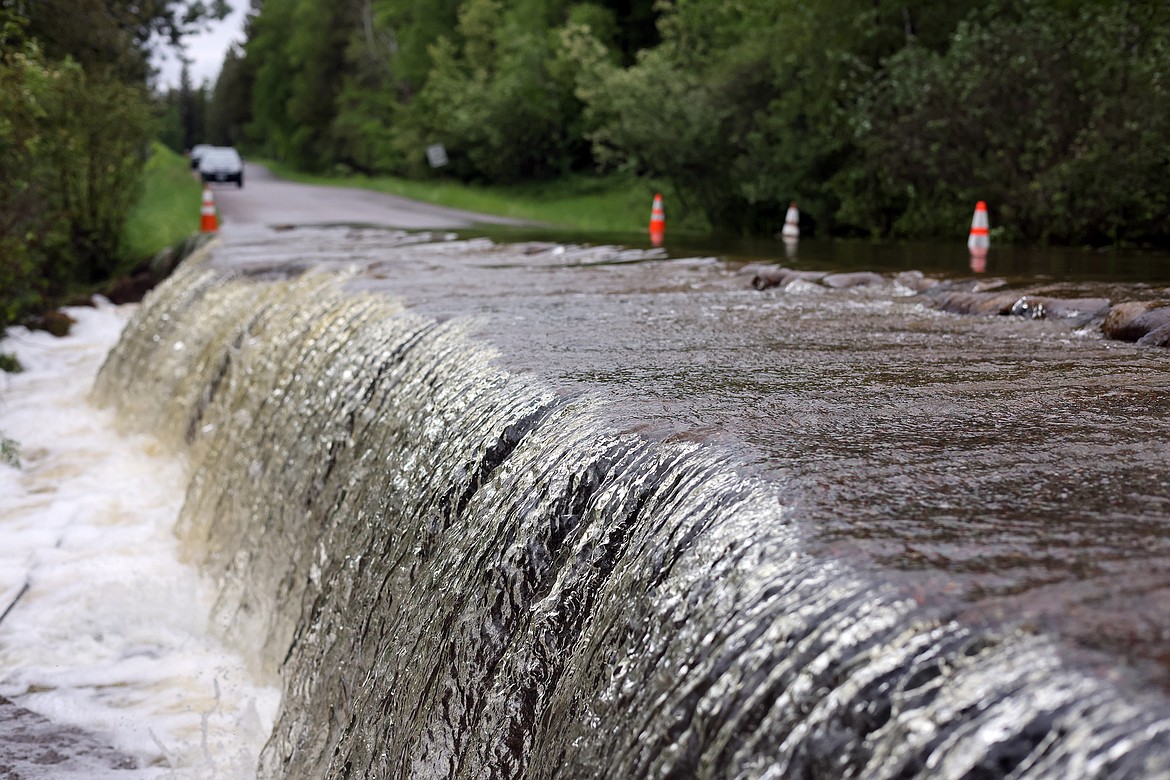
x=113, y=634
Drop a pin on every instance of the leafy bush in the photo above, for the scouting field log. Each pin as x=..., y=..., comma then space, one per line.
x=95, y=143
x=1059, y=120
x=491, y=100
x=71, y=151
x=29, y=226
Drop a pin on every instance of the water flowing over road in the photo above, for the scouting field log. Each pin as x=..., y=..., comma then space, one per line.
x=1016, y=463
x=535, y=509
x=516, y=509
x=108, y=665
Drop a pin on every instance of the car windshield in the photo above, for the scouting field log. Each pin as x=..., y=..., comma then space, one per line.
x=220, y=157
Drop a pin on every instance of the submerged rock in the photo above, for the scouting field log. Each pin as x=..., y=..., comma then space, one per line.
x=1040, y=307
x=964, y=302
x=779, y=277
x=1133, y=320
x=853, y=279
x=30, y=744
x=1158, y=337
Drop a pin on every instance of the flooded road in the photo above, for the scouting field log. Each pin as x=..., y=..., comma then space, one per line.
x=545, y=508
x=1018, y=467
x=1009, y=469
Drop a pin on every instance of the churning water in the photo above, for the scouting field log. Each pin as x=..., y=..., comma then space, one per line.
x=534, y=510
x=107, y=664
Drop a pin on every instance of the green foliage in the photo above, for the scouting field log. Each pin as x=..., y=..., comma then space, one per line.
x=880, y=119
x=27, y=223
x=406, y=30
x=492, y=101
x=115, y=36
x=270, y=127
x=9, y=448
x=658, y=120
x=362, y=129
x=71, y=145
x=181, y=114
x=367, y=102
x=94, y=144
x=295, y=69
x=167, y=211
x=75, y=120
x=317, y=65
x=230, y=104
x=1034, y=112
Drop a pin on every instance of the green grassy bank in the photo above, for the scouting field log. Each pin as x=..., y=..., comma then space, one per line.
x=168, y=209
x=610, y=204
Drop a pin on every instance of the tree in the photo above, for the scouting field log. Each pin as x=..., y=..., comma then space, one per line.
x=230, y=107
x=1057, y=113
x=95, y=135
x=298, y=47
x=493, y=100
x=26, y=221
x=881, y=118
x=267, y=55
x=367, y=101
x=114, y=34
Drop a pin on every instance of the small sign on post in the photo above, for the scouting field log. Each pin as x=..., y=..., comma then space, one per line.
x=436, y=155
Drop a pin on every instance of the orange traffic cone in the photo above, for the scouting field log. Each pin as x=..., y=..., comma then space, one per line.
x=657, y=222
x=791, y=222
x=980, y=240
x=208, y=222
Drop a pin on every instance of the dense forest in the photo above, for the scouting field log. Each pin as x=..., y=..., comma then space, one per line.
x=76, y=119
x=882, y=118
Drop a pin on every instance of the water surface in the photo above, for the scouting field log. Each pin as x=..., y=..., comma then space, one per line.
x=1015, y=467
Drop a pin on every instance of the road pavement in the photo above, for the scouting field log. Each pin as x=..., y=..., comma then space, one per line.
x=267, y=200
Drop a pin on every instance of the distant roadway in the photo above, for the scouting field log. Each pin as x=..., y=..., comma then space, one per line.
x=267, y=200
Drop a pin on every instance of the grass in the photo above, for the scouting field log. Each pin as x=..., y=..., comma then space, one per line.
x=617, y=204
x=168, y=210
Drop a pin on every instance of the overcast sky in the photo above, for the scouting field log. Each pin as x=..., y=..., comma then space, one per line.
x=205, y=51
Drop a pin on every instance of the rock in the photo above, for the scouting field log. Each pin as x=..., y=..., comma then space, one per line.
x=1039, y=307
x=961, y=302
x=772, y=277
x=1133, y=320
x=130, y=289
x=854, y=279
x=915, y=281
x=778, y=277
x=32, y=745
x=56, y=322
x=1158, y=337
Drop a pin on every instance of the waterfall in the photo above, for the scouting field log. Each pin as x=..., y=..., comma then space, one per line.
x=462, y=572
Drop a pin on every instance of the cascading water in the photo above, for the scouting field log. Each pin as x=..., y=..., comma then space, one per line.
x=108, y=665
x=458, y=571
